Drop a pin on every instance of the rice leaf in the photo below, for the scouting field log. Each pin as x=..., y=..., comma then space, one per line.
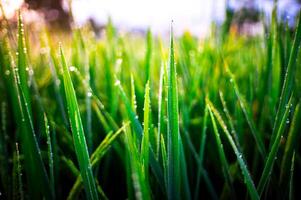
x=289, y=82
x=272, y=156
x=173, y=134
x=243, y=166
x=78, y=133
x=221, y=152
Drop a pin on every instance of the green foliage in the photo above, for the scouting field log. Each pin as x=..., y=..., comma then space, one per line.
x=218, y=118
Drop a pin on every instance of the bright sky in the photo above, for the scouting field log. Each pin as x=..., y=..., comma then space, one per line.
x=194, y=15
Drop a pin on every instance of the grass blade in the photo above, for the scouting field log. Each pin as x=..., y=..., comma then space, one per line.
x=247, y=177
x=247, y=114
x=289, y=80
x=221, y=152
x=17, y=181
x=173, y=134
x=145, y=139
x=50, y=156
x=80, y=144
x=291, y=143
x=273, y=153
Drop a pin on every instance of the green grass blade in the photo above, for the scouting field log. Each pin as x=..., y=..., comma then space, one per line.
x=38, y=182
x=23, y=67
x=184, y=175
x=96, y=157
x=230, y=120
x=160, y=108
x=156, y=168
x=247, y=114
x=17, y=180
x=221, y=152
x=291, y=142
x=268, y=167
x=50, y=156
x=247, y=177
x=173, y=134
x=78, y=133
x=289, y=80
x=145, y=139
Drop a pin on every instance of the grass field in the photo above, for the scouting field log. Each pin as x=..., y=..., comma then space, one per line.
x=131, y=117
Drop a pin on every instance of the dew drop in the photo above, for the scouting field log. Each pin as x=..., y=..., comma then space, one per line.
x=117, y=82
x=89, y=94
x=72, y=68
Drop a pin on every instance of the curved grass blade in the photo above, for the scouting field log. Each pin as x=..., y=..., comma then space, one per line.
x=291, y=143
x=173, y=134
x=230, y=120
x=96, y=157
x=247, y=114
x=221, y=152
x=289, y=80
x=268, y=167
x=80, y=145
x=247, y=177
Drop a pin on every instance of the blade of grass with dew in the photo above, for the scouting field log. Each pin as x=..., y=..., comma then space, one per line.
x=247, y=114
x=173, y=134
x=289, y=80
x=160, y=109
x=34, y=167
x=247, y=177
x=97, y=156
x=145, y=138
x=88, y=93
x=56, y=80
x=230, y=120
x=269, y=163
x=22, y=61
x=78, y=133
x=221, y=152
x=133, y=95
x=156, y=168
x=50, y=156
x=291, y=142
x=18, y=192
x=138, y=178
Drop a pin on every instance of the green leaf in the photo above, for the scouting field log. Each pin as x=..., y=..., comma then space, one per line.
x=173, y=134
x=79, y=140
x=239, y=155
x=272, y=156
